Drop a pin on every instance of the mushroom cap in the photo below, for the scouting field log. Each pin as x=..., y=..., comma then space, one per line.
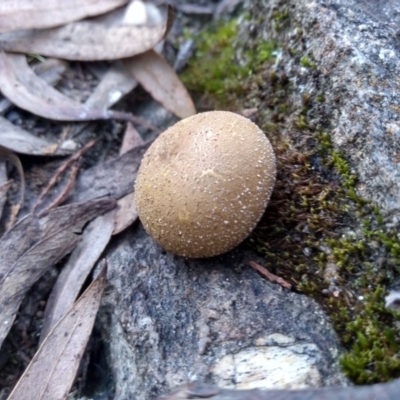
x=204, y=183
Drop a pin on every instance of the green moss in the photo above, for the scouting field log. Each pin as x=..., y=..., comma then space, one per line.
x=280, y=16
x=316, y=195
x=280, y=19
x=217, y=71
x=265, y=51
x=307, y=63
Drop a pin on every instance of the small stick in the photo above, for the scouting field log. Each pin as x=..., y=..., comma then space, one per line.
x=273, y=278
x=61, y=170
x=67, y=189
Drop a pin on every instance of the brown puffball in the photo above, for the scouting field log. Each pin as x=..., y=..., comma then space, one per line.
x=204, y=183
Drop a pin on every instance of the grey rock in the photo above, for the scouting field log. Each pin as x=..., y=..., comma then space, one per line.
x=169, y=320
x=355, y=46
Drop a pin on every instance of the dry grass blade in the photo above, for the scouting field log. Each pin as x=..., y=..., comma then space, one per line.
x=126, y=212
x=74, y=273
x=154, y=73
x=102, y=38
x=8, y=155
x=116, y=83
x=52, y=370
x=33, y=245
x=23, y=14
x=28, y=91
x=17, y=139
x=114, y=178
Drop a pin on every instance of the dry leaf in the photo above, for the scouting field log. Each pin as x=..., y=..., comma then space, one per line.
x=116, y=83
x=126, y=212
x=131, y=139
x=28, y=91
x=17, y=139
x=74, y=273
x=27, y=14
x=3, y=194
x=107, y=37
x=52, y=370
x=114, y=178
x=33, y=245
x=50, y=71
x=154, y=73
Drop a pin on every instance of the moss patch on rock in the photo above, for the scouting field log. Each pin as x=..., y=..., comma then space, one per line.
x=318, y=232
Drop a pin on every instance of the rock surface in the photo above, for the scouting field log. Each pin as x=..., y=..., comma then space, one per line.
x=169, y=320
x=355, y=48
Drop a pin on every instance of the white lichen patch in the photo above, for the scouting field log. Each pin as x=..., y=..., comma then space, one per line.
x=269, y=367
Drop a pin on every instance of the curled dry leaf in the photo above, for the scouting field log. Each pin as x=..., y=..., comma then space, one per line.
x=74, y=273
x=154, y=73
x=116, y=83
x=126, y=212
x=24, y=14
x=114, y=178
x=50, y=71
x=52, y=370
x=107, y=37
x=33, y=245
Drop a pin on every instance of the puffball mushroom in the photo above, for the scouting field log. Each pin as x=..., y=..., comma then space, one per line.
x=204, y=183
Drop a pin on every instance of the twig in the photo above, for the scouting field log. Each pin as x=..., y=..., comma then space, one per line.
x=67, y=189
x=273, y=278
x=60, y=170
x=124, y=116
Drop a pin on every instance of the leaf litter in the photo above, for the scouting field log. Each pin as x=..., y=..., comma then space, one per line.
x=115, y=83
x=19, y=140
x=58, y=194
x=35, y=244
x=108, y=37
x=73, y=275
x=10, y=156
x=28, y=91
x=4, y=186
x=114, y=178
x=49, y=70
x=153, y=72
x=52, y=370
x=23, y=14
x=45, y=236
x=126, y=212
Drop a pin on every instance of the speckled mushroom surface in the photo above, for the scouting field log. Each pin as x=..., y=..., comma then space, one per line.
x=204, y=183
